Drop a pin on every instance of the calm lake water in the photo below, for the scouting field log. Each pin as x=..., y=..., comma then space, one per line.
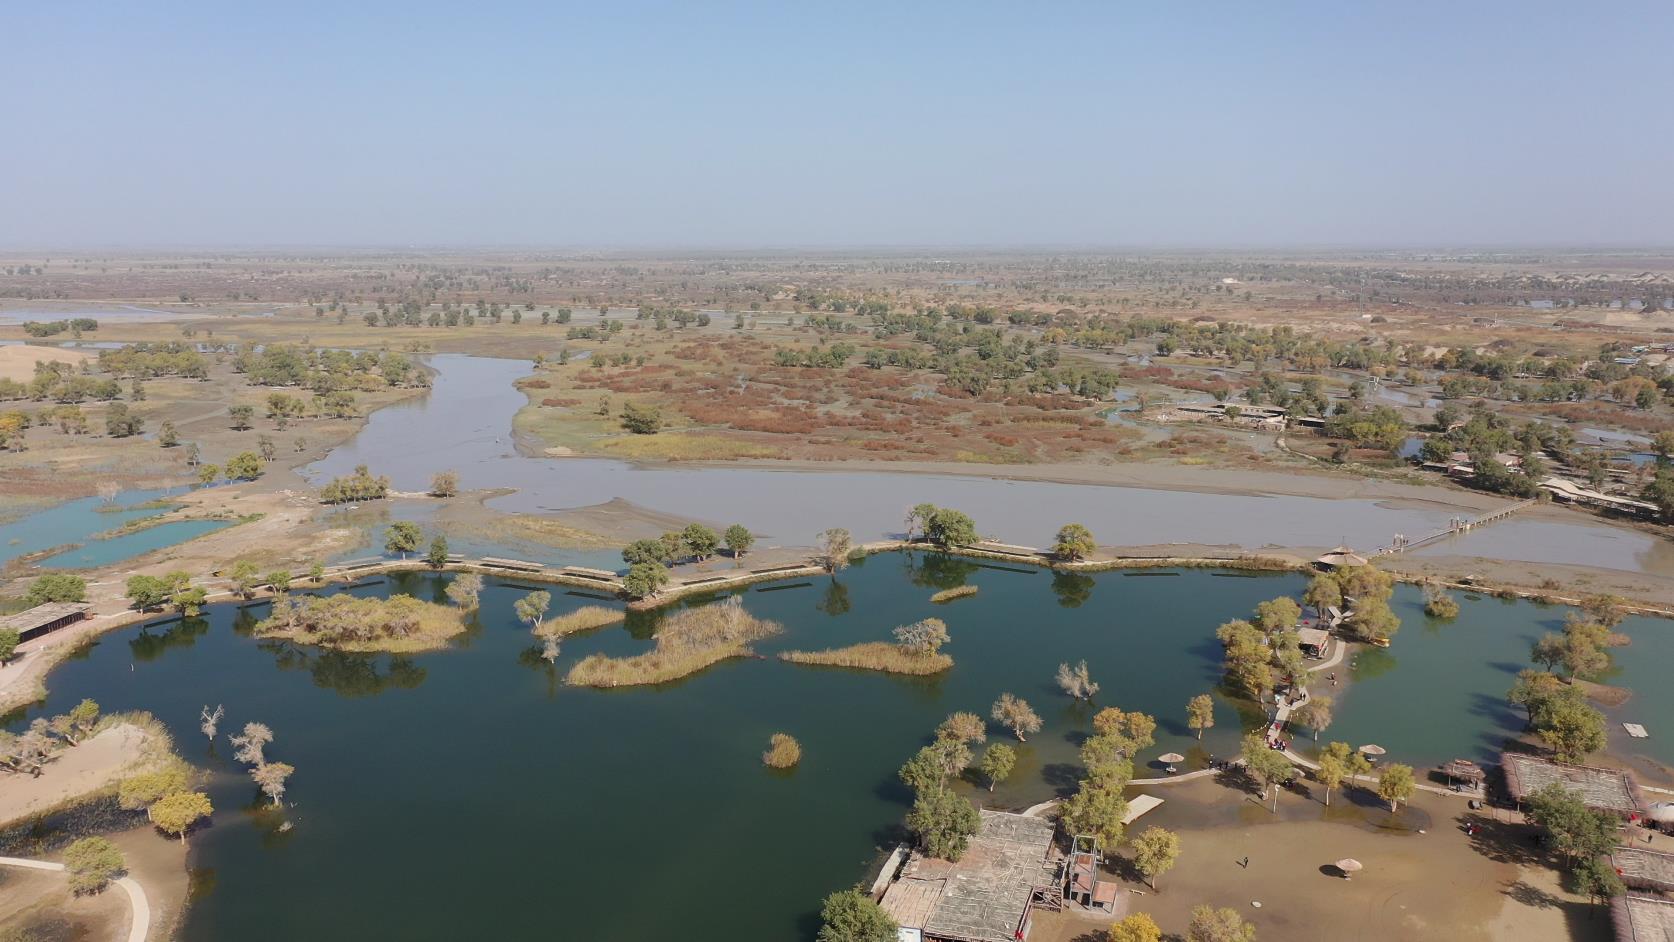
x=468, y=794
x=465, y=425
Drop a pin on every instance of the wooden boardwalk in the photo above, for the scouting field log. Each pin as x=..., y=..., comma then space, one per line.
x=1455, y=527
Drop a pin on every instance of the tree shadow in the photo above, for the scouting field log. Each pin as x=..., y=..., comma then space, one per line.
x=1062, y=777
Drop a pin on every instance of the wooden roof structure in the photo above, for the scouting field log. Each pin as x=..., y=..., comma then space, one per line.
x=1600, y=789
x=1641, y=918
x=1644, y=869
x=1341, y=557
x=984, y=896
x=43, y=618
x=1464, y=770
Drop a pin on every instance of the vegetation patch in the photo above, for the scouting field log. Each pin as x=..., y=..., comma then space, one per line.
x=686, y=643
x=399, y=623
x=873, y=656
x=948, y=595
x=582, y=619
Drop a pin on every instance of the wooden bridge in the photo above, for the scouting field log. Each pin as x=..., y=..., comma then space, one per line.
x=1455, y=527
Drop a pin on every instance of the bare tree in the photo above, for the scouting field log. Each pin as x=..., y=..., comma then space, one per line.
x=250, y=745
x=271, y=777
x=1015, y=714
x=1076, y=681
x=209, y=720
x=835, y=545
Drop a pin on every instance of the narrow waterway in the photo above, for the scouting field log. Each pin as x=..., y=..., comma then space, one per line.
x=464, y=424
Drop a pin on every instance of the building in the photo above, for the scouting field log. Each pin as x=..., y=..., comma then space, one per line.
x=1642, y=918
x=1340, y=558
x=44, y=619
x=1314, y=642
x=1600, y=789
x=989, y=894
x=1644, y=869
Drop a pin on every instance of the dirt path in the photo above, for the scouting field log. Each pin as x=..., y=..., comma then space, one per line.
x=76, y=771
x=140, y=923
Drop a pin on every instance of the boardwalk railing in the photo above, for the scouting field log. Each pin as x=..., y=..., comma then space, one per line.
x=1455, y=527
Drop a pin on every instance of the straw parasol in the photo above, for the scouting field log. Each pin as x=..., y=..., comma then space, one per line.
x=1373, y=750
x=1349, y=865
x=1661, y=812
x=1171, y=757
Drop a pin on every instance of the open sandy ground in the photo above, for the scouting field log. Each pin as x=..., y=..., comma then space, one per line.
x=75, y=772
x=1424, y=877
x=17, y=362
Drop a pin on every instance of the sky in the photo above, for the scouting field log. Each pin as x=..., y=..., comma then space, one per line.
x=1175, y=123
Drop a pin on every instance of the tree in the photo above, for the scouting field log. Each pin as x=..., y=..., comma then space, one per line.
x=1323, y=593
x=243, y=578
x=1276, y=615
x=835, y=545
x=852, y=916
x=208, y=473
x=1126, y=732
x=1077, y=681
x=918, y=519
x=1097, y=809
x=444, y=484
x=700, y=541
x=1315, y=714
x=1075, y=542
x=147, y=592
x=1155, y=852
x=1137, y=927
x=645, y=551
x=167, y=436
x=1218, y=925
x=739, y=539
x=1578, y=831
x=641, y=420
x=943, y=822
x=1337, y=764
x=465, y=589
x=922, y=638
x=138, y=792
x=963, y=727
x=438, y=555
x=92, y=862
x=279, y=580
x=402, y=537
x=644, y=579
x=270, y=778
x=176, y=813
x=81, y=719
x=1015, y=714
x=316, y=572
x=240, y=416
x=244, y=466
x=10, y=638
x=996, y=764
x=1200, y=713
x=248, y=747
x=532, y=607
x=1269, y=766
x=1597, y=879
x=948, y=528
x=122, y=423
x=56, y=587
x=1571, y=727
x=1395, y=784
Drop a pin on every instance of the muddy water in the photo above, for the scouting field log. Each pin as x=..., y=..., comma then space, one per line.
x=465, y=424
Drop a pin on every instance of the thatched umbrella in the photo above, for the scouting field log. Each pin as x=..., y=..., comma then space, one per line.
x=1662, y=812
x=1349, y=865
x=1169, y=758
x=1373, y=750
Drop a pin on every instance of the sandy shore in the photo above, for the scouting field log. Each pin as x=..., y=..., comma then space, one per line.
x=75, y=772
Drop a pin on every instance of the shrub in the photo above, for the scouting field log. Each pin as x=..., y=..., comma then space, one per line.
x=582, y=619
x=686, y=643
x=92, y=862
x=783, y=751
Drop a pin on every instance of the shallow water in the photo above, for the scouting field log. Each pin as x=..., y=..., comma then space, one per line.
x=77, y=521
x=128, y=545
x=465, y=423
x=468, y=794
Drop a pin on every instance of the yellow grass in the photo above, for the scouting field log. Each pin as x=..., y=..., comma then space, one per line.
x=674, y=446
x=686, y=643
x=399, y=624
x=873, y=656
x=582, y=619
x=948, y=595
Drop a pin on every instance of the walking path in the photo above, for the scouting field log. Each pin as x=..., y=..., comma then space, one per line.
x=141, y=924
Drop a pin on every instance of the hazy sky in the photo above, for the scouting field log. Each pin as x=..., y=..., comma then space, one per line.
x=716, y=124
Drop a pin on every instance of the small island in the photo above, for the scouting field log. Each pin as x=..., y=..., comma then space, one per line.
x=686, y=643
x=916, y=650
x=399, y=624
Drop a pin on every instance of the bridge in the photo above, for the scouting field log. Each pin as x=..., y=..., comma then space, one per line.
x=1455, y=526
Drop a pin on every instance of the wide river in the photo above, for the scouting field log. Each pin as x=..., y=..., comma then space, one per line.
x=468, y=793
x=465, y=424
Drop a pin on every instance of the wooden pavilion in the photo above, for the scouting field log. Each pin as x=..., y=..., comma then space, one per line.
x=43, y=619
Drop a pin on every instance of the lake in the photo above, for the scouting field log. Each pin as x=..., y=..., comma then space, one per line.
x=467, y=793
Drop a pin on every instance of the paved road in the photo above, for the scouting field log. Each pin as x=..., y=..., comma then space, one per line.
x=141, y=924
